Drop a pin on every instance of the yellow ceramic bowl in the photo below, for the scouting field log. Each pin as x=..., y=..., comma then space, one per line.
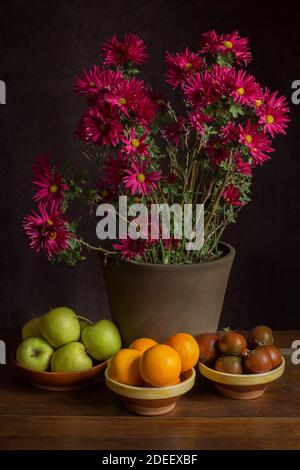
x=150, y=401
x=241, y=387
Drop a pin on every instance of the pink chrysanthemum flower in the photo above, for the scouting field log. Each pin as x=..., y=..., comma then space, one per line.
x=217, y=151
x=126, y=94
x=47, y=230
x=140, y=180
x=230, y=132
x=273, y=114
x=135, y=145
x=239, y=47
x=223, y=79
x=257, y=142
x=144, y=112
x=114, y=169
x=89, y=82
x=174, y=132
x=118, y=53
x=232, y=195
x=198, y=121
x=199, y=89
x=131, y=249
x=100, y=125
x=108, y=81
x=245, y=90
x=48, y=182
x=209, y=42
x=181, y=66
x=242, y=167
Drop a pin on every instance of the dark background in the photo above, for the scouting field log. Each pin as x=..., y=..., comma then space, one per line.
x=43, y=45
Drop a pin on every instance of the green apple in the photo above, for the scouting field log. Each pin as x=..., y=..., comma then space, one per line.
x=60, y=326
x=71, y=357
x=83, y=324
x=102, y=340
x=32, y=328
x=35, y=353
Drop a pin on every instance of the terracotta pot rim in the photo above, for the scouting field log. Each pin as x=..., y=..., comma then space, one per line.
x=230, y=254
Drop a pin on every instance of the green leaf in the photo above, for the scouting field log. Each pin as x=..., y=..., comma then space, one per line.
x=236, y=110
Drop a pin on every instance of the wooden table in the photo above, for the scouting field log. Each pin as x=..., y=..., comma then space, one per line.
x=93, y=418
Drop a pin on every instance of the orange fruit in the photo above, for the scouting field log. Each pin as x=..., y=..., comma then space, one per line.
x=142, y=344
x=187, y=348
x=160, y=365
x=176, y=381
x=146, y=384
x=124, y=367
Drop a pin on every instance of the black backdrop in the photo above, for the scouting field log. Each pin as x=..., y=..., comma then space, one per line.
x=43, y=45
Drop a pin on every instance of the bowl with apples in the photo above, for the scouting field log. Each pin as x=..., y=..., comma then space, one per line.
x=64, y=351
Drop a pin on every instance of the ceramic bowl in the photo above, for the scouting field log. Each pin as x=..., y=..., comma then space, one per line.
x=241, y=387
x=151, y=401
x=59, y=381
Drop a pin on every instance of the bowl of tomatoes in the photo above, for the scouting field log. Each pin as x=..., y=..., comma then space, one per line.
x=239, y=367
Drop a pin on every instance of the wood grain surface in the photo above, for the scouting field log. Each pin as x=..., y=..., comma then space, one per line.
x=93, y=418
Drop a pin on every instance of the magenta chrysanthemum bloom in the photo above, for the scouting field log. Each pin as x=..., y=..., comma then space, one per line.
x=140, y=180
x=242, y=167
x=181, y=66
x=118, y=53
x=130, y=248
x=245, y=90
x=216, y=151
x=108, y=81
x=114, y=169
x=100, y=125
x=230, y=133
x=209, y=42
x=273, y=114
x=144, y=112
x=88, y=82
x=135, y=145
x=232, y=195
x=257, y=142
x=199, y=89
x=126, y=94
x=198, y=121
x=48, y=182
x=174, y=132
x=47, y=230
x=223, y=79
x=239, y=47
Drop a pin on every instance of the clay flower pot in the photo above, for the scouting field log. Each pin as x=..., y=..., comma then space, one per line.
x=157, y=300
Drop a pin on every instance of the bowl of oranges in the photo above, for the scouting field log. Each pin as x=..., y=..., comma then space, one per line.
x=149, y=378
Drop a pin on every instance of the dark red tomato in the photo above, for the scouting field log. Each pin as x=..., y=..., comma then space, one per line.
x=260, y=335
x=208, y=348
x=274, y=354
x=229, y=364
x=257, y=361
x=232, y=344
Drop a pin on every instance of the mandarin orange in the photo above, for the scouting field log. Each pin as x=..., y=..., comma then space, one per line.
x=142, y=344
x=160, y=365
x=187, y=348
x=124, y=367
